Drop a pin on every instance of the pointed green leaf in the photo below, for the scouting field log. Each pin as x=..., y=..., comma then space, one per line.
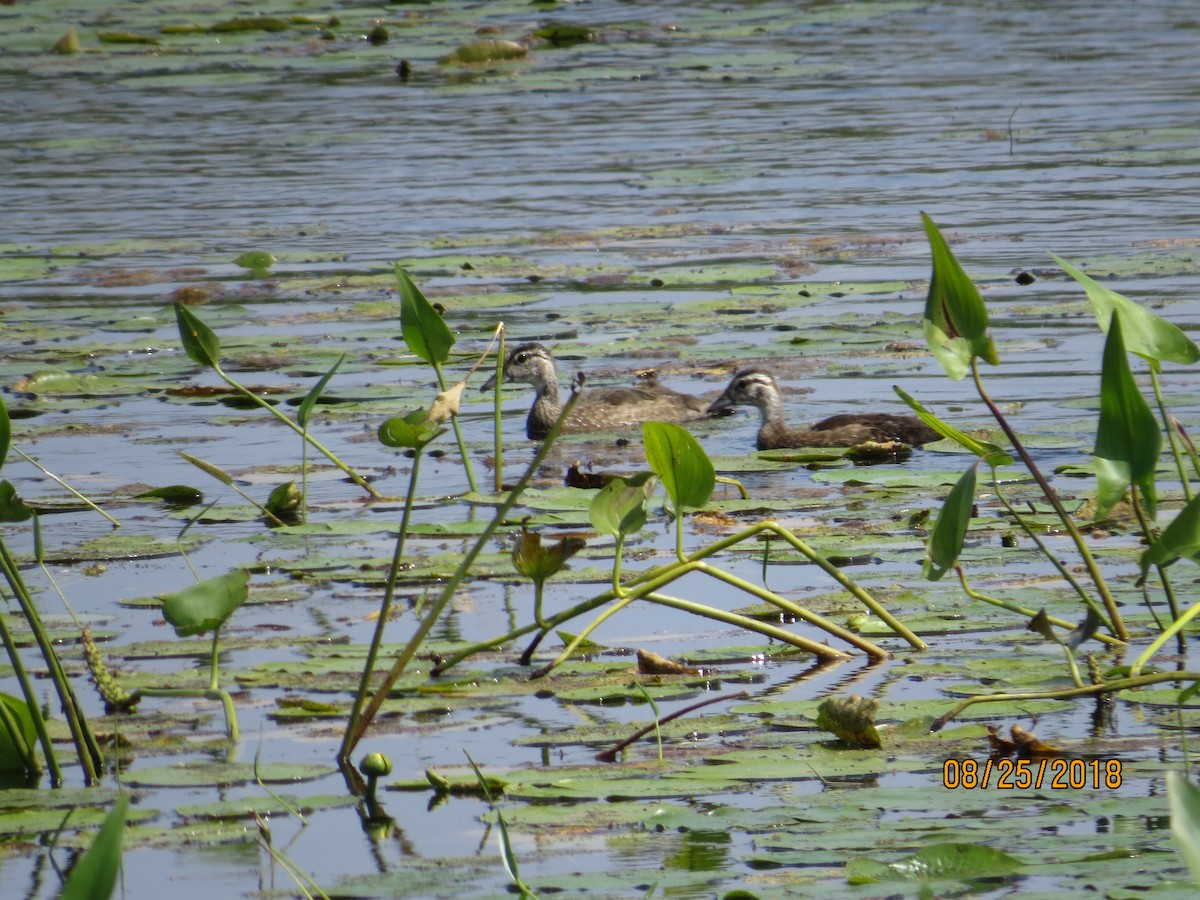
x=423, y=328
x=620, y=506
x=199, y=340
x=1149, y=336
x=1183, y=798
x=950, y=529
x=1128, y=440
x=1179, y=539
x=12, y=507
x=680, y=463
x=306, y=407
x=982, y=449
x=215, y=471
x=95, y=875
x=955, y=321
x=205, y=606
x=21, y=717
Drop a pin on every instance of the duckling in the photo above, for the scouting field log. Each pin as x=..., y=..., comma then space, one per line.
x=754, y=387
x=597, y=409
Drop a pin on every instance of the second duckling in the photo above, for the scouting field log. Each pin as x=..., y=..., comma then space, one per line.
x=754, y=387
x=598, y=409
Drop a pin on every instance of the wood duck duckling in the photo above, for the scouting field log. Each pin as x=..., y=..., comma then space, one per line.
x=754, y=387
x=597, y=409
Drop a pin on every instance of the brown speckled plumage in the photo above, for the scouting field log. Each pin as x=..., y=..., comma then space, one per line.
x=754, y=387
x=598, y=409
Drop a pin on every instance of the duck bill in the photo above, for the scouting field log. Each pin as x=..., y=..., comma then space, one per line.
x=722, y=406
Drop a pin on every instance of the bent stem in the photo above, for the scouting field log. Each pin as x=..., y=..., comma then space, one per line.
x=1024, y=610
x=355, y=730
x=650, y=581
x=1110, y=604
x=1090, y=690
x=303, y=432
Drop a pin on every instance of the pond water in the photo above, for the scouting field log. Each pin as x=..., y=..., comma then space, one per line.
x=698, y=186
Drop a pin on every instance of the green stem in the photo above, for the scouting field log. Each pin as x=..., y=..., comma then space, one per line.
x=646, y=582
x=462, y=444
x=389, y=596
x=1148, y=533
x=91, y=759
x=1172, y=435
x=354, y=733
x=1090, y=690
x=214, y=662
x=497, y=415
x=231, y=723
x=1063, y=571
x=1110, y=603
x=246, y=392
x=1173, y=629
x=31, y=700
x=821, y=651
x=51, y=475
x=1024, y=610
x=847, y=584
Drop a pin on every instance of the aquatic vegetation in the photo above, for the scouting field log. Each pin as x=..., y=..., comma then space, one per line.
x=1128, y=445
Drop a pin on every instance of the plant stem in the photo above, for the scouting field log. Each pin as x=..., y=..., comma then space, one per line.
x=462, y=444
x=1172, y=435
x=91, y=759
x=246, y=392
x=51, y=475
x=1063, y=571
x=389, y=595
x=1148, y=532
x=1110, y=603
x=497, y=410
x=1025, y=611
x=1090, y=690
x=355, y=732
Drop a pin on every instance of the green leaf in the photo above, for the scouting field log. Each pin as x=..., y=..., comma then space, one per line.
x=955, y=321
x=951, y=860
x=950, y=529
x=534, y=561
x=680, y=463
x=95, y=875
x=22, y=717
x=423, y=328
x=255, y=260
x=5, y=432
x=412, y=431
x=205, y=606
x=1183, y=797
x=1149, y=336
x=983, y=449
x=199, y=340
x=174, y=494
x=306, y=406
x=1180, y=538
x=12, y=507
x=1128, y=440
x=620, y=506
x=215, y=471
